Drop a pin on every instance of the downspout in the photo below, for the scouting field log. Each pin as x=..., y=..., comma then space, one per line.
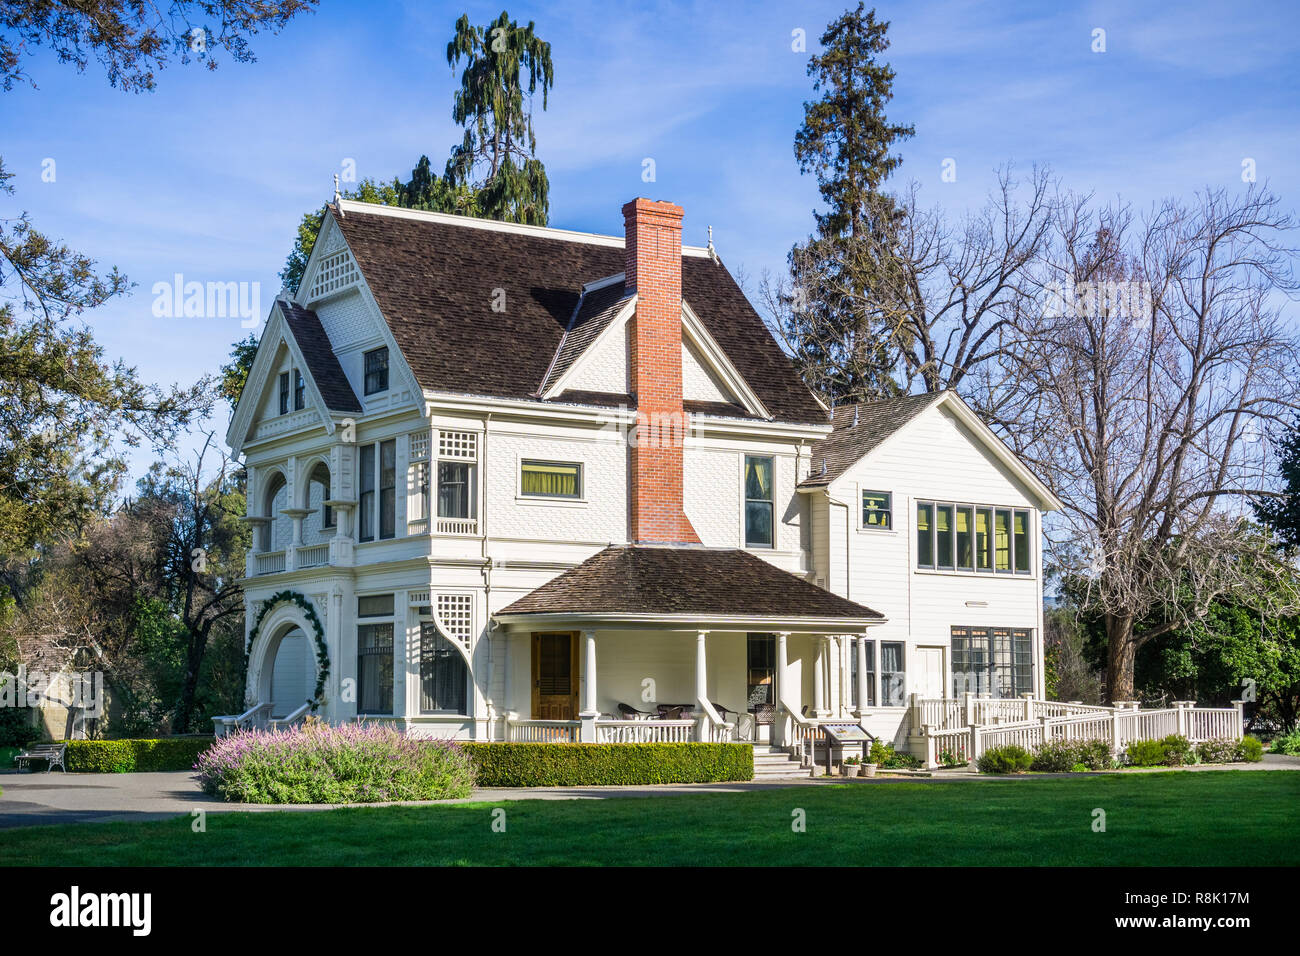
x=487, y=574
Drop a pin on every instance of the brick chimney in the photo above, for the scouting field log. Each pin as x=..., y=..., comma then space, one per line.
x=654, y=271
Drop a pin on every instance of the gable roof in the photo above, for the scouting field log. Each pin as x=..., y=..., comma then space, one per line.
x=321, y=361
x=595, y=313
x=848, y=443
x=705, y=583
x=434, y=278
x=857, y=430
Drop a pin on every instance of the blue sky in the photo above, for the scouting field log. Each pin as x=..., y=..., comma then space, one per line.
x=209, y=175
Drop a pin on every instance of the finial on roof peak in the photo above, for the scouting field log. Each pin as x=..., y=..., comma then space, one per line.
x=338, y=197
x=713, y=253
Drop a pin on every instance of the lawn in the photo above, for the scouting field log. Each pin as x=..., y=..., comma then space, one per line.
x=1176, y=819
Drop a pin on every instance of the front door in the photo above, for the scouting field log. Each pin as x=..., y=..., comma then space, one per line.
x=929, y=670
x=555, y=676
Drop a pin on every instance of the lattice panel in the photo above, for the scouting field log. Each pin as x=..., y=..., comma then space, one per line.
x=462, y=445
x=455, y=614
x=335, y=272
x=419, y=446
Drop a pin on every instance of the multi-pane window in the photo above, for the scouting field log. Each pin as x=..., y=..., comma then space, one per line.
x=993, y=661
x=877, y=509
x=892, y=675
x=970, y=538
x=550, y=479
x=377, y=501
x=444, y=678
x=376, y=371
x=758, y=502
x=284, y=393
x=375, y=655
x=299, y=391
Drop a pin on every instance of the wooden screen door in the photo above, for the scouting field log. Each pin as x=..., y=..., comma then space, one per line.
x=555, y=676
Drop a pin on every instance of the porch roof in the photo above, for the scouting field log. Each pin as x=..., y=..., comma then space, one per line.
x=690, y=585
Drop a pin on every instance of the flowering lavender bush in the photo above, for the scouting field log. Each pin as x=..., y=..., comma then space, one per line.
x=320, y=763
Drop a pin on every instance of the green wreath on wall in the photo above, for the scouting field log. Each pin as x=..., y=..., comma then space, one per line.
x=322, y=651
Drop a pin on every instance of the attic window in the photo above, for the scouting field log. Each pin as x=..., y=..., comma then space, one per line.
x=335, y=272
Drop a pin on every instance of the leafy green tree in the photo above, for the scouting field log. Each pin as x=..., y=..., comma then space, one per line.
x=132, y=40
x=65, y=413
x=1282, y=514
x=235, y=373
x=848, y=143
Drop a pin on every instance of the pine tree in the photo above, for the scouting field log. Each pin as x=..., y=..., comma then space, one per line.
x=497, y=158
x=842, y=347
x=1282, y=515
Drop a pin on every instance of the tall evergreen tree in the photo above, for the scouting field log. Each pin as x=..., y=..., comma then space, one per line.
x=846, y=141
x=497, y=157
x=1282, y=514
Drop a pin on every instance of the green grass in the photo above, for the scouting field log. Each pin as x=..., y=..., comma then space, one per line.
x=1175, y=819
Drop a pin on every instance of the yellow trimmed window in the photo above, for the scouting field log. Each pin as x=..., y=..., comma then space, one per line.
x=551, y=479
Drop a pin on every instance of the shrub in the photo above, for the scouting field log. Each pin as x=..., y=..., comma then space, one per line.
x=880, y=753
x=1217, y=750
x=1079, y=768
x=1095, y=754
x=1250, y=750
x=899, y=760
x=320, y=763
x=1177, y=751
x=135, y=756
x=1008, y=759
x=1056, y=756
x=599, y=765
x=1287, y=743
x=1144, y=753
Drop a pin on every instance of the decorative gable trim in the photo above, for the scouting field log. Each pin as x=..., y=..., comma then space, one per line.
x=331, y=269
x=619, y=322
x=693, y=331
x=275, y=334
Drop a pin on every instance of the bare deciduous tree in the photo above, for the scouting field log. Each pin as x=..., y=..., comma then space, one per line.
x=1144, y=387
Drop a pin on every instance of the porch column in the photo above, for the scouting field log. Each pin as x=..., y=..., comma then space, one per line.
x=819, y=680
x=782, y=656
x=863, y=696
x=701, y=683
x=587, y=733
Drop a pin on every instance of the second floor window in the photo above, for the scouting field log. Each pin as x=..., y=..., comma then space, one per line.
x=758, y=502
x=971, y=538
x=877, y=509
x=550, y=479
x=377, y=503
x=376, y=371
x=284, y=393
x=299, y=391
x=456, y=490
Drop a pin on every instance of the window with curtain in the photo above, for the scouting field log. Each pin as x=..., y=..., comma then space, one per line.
x=456, y=489
x=299, y=391
x=924, y=535
x=877, y=509
x=366, y=498
x=284, y=393
x=758, y=502
x=1002, y=540
x=444, y=678
x=388, y=488
x=870, y=656
x=550, y=479
x=1020, y=529
x=375, y=655
x=892, y=677
x=984, y=539
x=965, y=550
x=943, y=536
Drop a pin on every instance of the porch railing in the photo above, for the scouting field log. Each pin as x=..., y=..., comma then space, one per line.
x=542, y=731
x=644, y=731
x=293, y=717
x=457, y=526
x=270, y=562
x=312, y=555
x=253, y=718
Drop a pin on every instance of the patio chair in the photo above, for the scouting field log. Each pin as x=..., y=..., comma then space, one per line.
x=628, y=712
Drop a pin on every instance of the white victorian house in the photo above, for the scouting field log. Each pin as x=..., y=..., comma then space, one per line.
x=512, y=482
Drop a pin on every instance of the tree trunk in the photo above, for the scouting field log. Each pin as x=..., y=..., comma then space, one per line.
x=1120, y=653
x=194, y=662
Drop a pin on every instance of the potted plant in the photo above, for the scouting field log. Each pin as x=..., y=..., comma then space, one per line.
x=851, y=766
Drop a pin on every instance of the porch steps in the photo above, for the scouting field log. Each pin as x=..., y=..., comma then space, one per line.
x=772, y=763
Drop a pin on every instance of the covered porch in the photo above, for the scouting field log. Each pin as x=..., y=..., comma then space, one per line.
x=656, y=644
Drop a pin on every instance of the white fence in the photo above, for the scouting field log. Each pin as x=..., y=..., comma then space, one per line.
x=542, y=731
x=644, y=731
x=1030, y=723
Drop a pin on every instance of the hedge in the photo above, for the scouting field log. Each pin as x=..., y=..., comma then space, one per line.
x=135, y=756
x=603, y=765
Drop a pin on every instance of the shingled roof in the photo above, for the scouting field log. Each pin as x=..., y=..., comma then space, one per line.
x=701, y=582
x=595, y=311
x=859, y=429
x=320, y=358
x=435, y=280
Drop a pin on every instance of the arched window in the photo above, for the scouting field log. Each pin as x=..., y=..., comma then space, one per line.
x=319, y=489
x=444, y=678
x=275, y=499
